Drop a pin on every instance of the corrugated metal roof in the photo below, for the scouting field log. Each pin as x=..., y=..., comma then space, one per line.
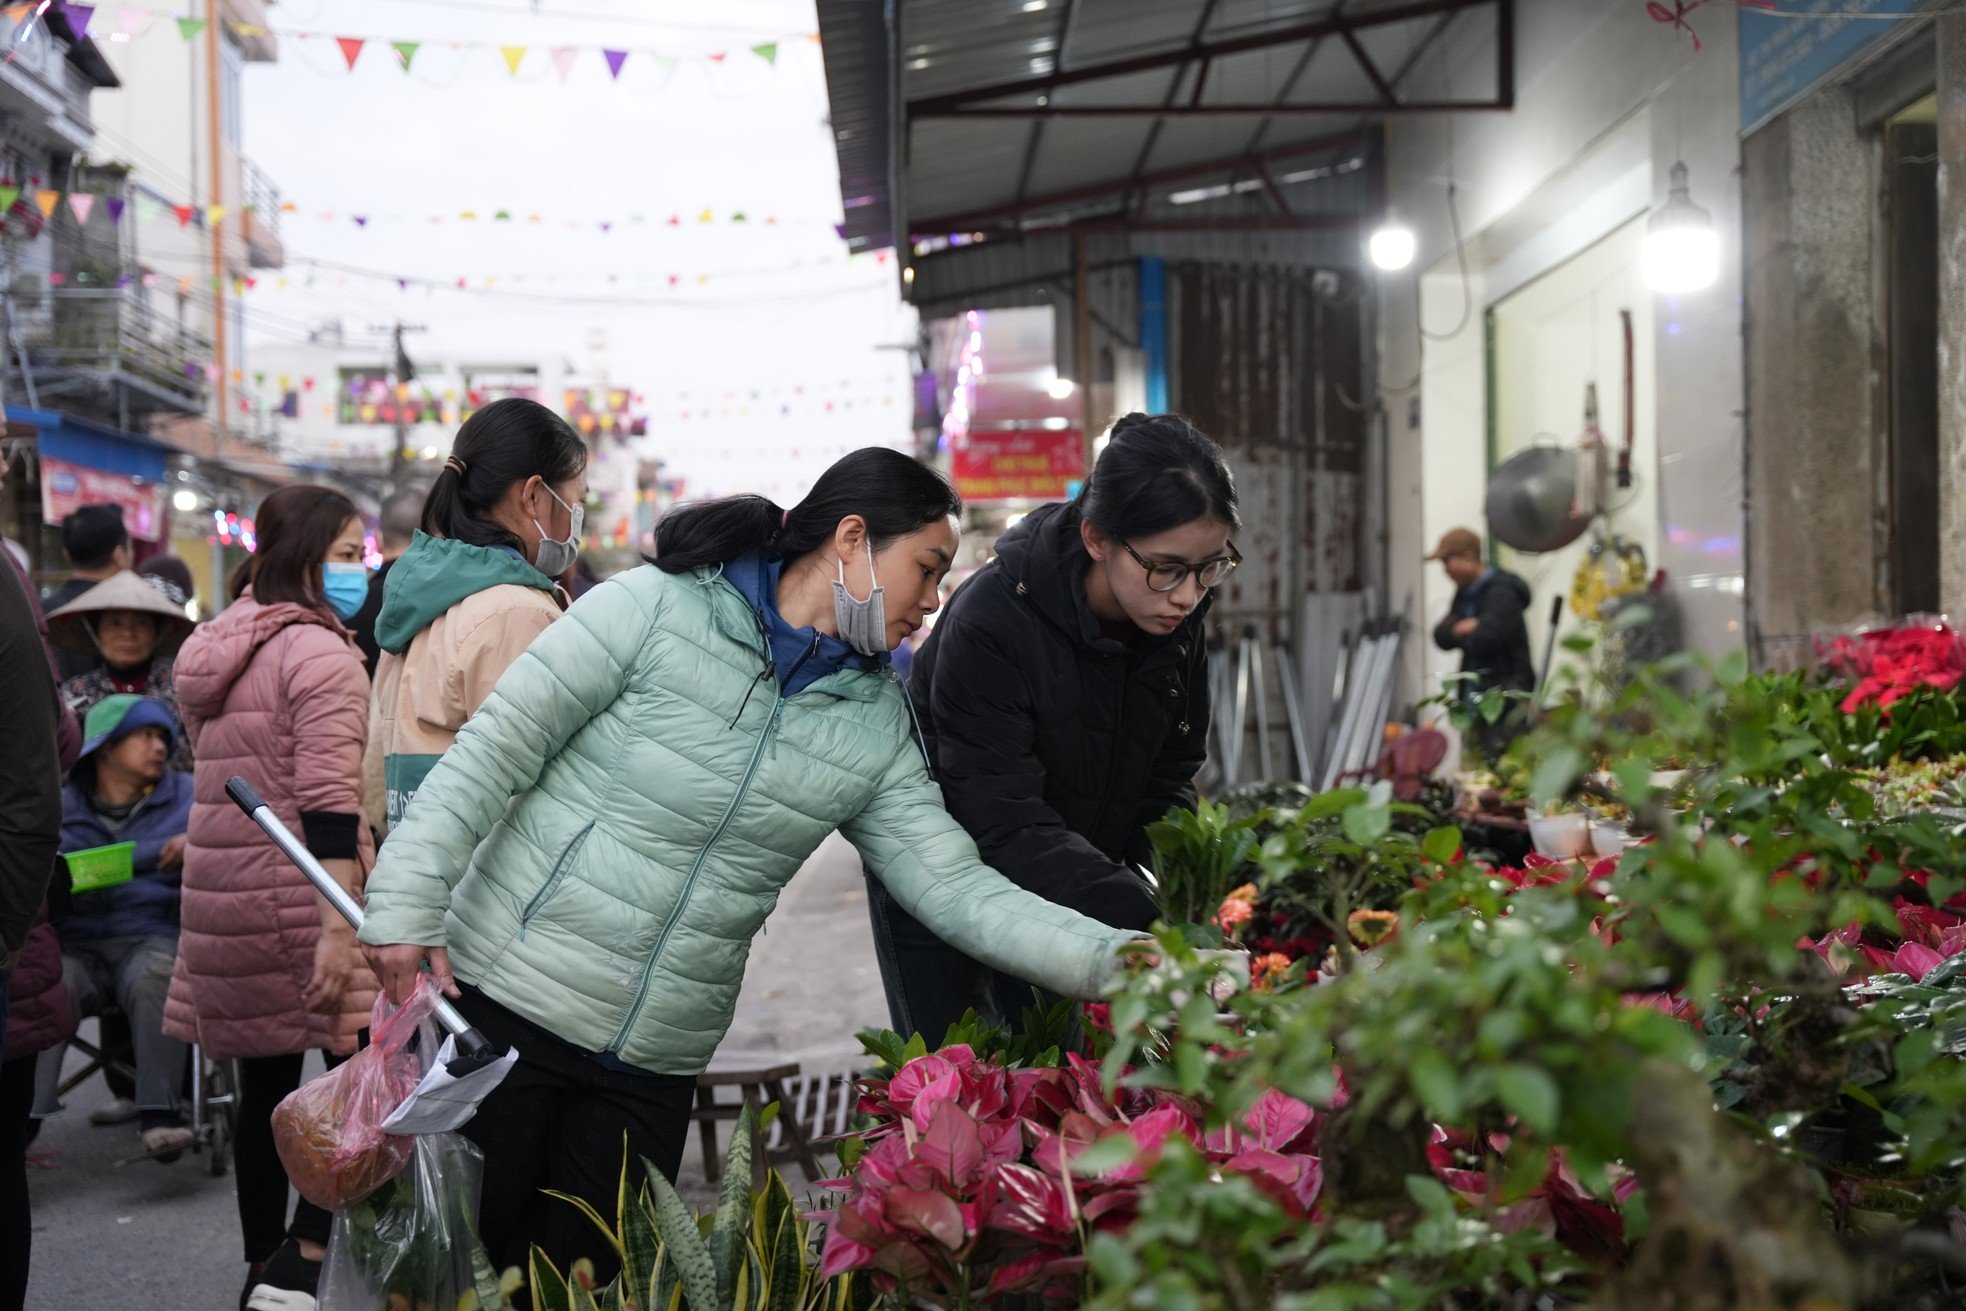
x=858, y=58
x=963, y=160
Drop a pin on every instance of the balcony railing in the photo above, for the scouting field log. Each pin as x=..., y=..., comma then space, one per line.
x=111, y=343
x=262, y=218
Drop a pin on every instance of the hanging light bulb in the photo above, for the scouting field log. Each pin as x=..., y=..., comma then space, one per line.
x=1682, y=249
x=1392, y=246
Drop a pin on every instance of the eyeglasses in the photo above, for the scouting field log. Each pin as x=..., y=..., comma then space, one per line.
x=1166, y=575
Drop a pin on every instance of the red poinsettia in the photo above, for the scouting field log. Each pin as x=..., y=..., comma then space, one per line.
x=1888, y=663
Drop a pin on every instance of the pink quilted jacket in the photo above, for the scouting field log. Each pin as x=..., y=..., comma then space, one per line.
x=276, y=693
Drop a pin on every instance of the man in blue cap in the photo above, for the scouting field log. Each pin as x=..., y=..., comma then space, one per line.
x=119, y=942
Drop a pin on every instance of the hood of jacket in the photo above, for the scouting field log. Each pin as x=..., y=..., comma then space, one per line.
x=1504, y=581
x=801, y=656
x=434, y=575
x=1046, y=557
x=219, y=652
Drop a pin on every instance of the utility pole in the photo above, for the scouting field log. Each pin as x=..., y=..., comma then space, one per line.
x=214, y=140
x=399, y=466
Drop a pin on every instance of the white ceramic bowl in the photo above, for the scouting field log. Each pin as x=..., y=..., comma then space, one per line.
x=1563, y=836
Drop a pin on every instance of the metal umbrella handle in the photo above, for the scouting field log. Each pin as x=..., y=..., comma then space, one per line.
x=473, y=1049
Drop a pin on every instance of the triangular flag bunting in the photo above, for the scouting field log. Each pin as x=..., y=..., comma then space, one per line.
x=16, y=14
x=79, y=17
x=664, y=62
x=675, y=221
x=563, y=58
x=514, y=56
x=46, y=201
x=615, y=58
x=706, y=217
x=8, y=195
x=135, y=21
x=82, y=204
x=406, y=51
x=351, y=48
x=503, y=216
x=767, y=52
x=57, y=279
x=183, y=213
x=737, y=217
x=115, y=204
x=189, y=28
x=215, y=214
x=606, y=226
x=719, y=57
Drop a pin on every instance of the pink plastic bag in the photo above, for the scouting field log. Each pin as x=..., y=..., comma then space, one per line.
x=329, y=1132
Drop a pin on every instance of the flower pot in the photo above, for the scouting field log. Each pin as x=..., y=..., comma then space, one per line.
x=1563, y=836
x=1609, y=839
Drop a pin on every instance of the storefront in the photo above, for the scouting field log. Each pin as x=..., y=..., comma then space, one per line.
x=1850, y=309
x=57, y=463
x=1540, y=313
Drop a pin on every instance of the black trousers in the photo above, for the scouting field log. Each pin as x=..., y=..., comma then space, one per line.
x=558, y=1122
x=263, y=1081
x=16, y=1229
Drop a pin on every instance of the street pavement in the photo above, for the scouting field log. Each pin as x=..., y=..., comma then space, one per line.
x=167, y=1237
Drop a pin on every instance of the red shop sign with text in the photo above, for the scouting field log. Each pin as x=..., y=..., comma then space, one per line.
x=1000, y=464
x=67, y=487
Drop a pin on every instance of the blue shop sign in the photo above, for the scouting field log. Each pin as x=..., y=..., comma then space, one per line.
x=1785, y=55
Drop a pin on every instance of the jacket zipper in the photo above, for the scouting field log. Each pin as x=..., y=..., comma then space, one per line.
x=703, y=857
x=560, y=869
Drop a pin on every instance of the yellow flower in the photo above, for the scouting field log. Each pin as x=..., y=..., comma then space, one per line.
x=1369, y=928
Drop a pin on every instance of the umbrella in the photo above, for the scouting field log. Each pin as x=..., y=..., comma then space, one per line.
x=466, y=1068
x=70, y=625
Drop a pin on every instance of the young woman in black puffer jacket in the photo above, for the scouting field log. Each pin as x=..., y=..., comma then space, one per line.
x=1064, y=701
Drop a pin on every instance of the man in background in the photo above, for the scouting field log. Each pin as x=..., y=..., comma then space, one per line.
x=97, y=545
x=402, y=515
x=1485, y=624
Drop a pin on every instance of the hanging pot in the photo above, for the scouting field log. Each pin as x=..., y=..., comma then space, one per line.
x=1532, y=499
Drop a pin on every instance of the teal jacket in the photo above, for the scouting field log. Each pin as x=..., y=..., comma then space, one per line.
x=615, y=823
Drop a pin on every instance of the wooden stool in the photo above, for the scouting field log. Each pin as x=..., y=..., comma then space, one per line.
x=755, y=1089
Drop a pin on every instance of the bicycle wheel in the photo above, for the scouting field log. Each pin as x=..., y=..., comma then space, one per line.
x=221, y=1114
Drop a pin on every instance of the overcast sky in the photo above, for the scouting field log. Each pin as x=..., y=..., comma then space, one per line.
x=784, y=309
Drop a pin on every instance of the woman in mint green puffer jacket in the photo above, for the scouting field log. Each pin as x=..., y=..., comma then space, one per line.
x=592, y=858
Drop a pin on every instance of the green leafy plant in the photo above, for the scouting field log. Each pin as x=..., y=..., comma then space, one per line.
x=1200, y=856
x=754, y=1252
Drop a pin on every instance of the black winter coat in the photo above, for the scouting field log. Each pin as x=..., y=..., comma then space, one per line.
x=1055, y=747
x=1497, y=652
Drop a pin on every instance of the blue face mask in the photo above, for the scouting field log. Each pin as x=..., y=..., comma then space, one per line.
x=345, y=584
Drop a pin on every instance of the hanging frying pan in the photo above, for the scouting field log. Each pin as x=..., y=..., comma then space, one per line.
x=1532, y=499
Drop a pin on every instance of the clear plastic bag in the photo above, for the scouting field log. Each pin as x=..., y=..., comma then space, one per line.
x=413, y=1245
x=329, y=1131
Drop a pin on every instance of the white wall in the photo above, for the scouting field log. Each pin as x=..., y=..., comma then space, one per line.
x=1606, y=100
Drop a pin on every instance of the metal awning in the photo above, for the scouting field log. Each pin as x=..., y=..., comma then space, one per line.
x=960, y=118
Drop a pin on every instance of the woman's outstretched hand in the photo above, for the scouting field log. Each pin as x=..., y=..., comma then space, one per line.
x=397, y=965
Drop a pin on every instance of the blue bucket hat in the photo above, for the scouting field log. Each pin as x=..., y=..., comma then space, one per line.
x=116, y=717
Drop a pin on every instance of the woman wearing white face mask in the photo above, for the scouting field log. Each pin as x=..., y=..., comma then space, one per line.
x=476, y=586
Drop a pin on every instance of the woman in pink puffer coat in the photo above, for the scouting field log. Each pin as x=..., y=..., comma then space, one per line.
x=274, y=690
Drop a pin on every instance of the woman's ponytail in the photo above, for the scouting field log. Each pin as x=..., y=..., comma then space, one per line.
x=895, y=493
x=504, y=443
x=715, y=532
